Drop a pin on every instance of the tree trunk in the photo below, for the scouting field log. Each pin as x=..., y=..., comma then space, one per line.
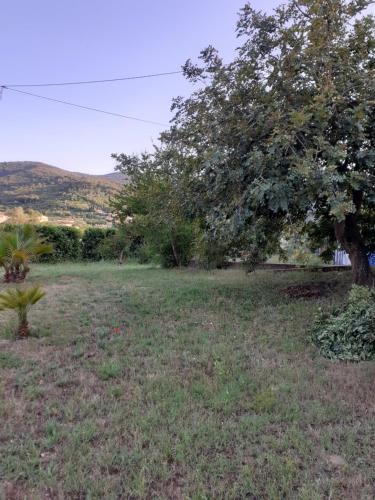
x=349, y=236
x=360, y=267
x=23, y=329
x=121, y=258
x=7, y=276
x=175, y=254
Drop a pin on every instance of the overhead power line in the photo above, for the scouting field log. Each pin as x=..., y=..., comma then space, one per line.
x=85, y=82
x=2, y=87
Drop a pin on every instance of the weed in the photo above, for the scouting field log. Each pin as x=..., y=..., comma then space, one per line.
x=110, y=369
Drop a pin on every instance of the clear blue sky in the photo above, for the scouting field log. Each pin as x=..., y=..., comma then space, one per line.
x=50, y=40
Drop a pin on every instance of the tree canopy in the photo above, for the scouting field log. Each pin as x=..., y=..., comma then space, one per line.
x=153, y=208
x=285, y=134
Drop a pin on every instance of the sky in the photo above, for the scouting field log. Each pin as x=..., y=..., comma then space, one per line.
x=51, y=41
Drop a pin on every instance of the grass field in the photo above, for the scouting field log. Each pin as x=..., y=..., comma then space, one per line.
x=149, y=383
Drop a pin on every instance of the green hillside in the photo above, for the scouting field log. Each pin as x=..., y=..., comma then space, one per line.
x=57, y=193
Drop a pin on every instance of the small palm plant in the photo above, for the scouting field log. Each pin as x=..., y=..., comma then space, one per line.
x=21, y=300
x=17, y=249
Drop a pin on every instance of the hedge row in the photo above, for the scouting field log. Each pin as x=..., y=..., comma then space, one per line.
x=92, y=241
x=66, y=241
x=71, y=244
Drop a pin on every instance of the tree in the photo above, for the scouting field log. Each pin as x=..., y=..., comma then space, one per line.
x=151, y=205
x=285, y=134
x=21, y=300
x=18, y=215
x=17, y=249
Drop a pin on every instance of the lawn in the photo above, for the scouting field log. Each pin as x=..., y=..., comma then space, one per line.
x=151, y=383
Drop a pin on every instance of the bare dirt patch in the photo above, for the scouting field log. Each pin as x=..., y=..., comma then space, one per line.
x=311, y=290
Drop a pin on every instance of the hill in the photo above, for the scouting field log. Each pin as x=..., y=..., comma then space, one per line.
x=57, y=193
x=114, y=177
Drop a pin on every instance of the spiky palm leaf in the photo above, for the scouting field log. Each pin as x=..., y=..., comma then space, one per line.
x=18, y=248
x=20, y=300
x=24, y=298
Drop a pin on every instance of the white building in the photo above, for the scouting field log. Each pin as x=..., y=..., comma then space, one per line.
x=341, y=258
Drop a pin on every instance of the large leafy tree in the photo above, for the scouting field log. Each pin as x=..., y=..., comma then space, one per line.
x=285, y=134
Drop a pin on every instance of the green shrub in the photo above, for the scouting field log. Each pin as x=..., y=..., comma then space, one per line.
x=92, y=241
x=145, y=254
x=349, y=332
x=18, y=248
x=66, y=243
x=110, y=248
x=7, y=228
x=210, y=253
x=21, y=300
x=178, y=250
x=121, y=245
x=170, y=247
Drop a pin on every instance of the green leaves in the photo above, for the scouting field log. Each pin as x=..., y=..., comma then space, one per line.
x=18, y=248
x=300, y=118
x=20, y=298
x=281, y=135
x=349, y=333
x=340, y=206
x=273, y=195
x=154, y=204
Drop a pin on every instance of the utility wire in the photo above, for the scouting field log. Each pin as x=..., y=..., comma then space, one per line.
x=4, y=87
x=85, y=82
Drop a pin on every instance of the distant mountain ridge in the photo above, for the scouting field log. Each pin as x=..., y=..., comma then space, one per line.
x=115, y=177
x=56, y=192
x=8, y=166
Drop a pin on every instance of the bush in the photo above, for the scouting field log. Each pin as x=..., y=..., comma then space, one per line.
x=66, y=243
x=145, y=254
x=113, y=247
x=18, y=248
x=181, y=251
x=211, y=253
x=21, y=300
x=92, y=241
x=170, y=247
x=348, y=333
x=110, y=248
x=123, y=244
